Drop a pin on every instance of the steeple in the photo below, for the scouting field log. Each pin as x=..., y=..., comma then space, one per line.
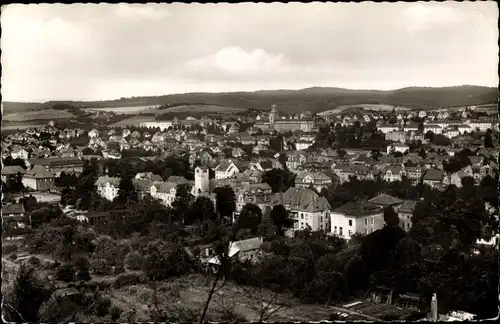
x=273, y=115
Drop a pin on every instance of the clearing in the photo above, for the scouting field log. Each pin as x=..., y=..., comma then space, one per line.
x=38, y=115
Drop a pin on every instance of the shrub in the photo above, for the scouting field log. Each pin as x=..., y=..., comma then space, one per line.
x=127, y=279
x=34, y=261
x=102, y=306
x=13, y=256
x=115, y=313
x=133, y=260
x=65, y=272
x=6, y=249
x=100, y=266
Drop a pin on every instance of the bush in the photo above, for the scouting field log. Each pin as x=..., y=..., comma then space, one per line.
x=66, y=272
x=34, y=261
x=102, y=306
x=6, y=249
x=100, y=267
x=133, y=260
x=13, y=256
x=115, y=313
x=127, y=279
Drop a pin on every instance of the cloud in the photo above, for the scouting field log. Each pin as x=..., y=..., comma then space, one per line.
x=142, y=11
x=424, y=16
x=234, y=59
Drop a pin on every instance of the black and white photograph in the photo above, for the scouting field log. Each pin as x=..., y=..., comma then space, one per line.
x=250, y=162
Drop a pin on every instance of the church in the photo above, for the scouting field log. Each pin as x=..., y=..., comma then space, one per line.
x=303, y=122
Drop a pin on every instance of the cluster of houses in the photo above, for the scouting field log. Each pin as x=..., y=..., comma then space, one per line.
x=221, y=152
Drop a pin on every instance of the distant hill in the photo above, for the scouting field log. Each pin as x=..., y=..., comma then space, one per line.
x=316, y=99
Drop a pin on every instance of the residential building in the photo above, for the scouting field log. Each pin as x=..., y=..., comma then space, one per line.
x=384, y=200
x=394, y=173
x=14, y=215
x=9, y=171
x=360, y=217
x=433, y=178
x=226, y=169
x=19, y=153
x=317, y=180
x=397, y=147
x=107, y=187
x=39, y=178
x=307, y=208
x=405, y=213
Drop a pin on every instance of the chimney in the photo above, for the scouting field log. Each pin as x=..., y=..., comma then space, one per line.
x=434, y=308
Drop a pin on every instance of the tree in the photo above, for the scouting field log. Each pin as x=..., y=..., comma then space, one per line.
x=202, y=209
x=225, y=201
x=127, y=195
x=28, y=294
x=375, y=154
x=250, y=217
x=488, y=141
x=182, y=202
x=281, y=219
x=390, y=216
x=279, y=180
x=356, y=275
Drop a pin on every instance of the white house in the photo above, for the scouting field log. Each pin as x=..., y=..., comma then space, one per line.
x=435, y=128
x=19, y=153
x=398, y=147
x=356, y=217
x=226, y=169
x=107, y=187
x=303, y=145
x=394, y=173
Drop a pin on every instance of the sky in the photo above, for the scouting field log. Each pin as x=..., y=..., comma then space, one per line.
x=107, y=51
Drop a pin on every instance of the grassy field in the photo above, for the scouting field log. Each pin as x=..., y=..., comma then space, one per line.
x=37, y=115
x=132, y=110
x=201, y=108
x=133, y=121
x=373, y=107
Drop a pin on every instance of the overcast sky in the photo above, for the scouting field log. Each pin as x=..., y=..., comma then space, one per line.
x=102, y=51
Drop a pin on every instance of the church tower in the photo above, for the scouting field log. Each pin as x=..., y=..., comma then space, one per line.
x=201, y=179
x=273, y=115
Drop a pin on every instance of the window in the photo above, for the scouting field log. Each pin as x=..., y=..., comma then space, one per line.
x=366, y=231
x=350, y=232
x=321, y=220
x=340, y=230
x=335, y=229
x=350, y=222
x=373, y=220
x=366, y=221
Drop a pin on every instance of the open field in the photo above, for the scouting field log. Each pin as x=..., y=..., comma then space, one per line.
x=201, y=108
x=375, y=107
x=15, y=126
x=133, y=121
x=37, y=115
x=122, y=110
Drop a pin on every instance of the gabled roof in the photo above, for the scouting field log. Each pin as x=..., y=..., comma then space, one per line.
x=12, y=209
x=12, y=169
x=177, y=180
x=114, y=181
x=245, y=245
x=301, y=199
x=39, y=172
x=408, y=206
x=358, y=209
x=434, y=175
x=385, y=200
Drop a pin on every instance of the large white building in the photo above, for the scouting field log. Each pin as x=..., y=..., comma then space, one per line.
x=356, y=217
x=307, y=208
x=107, y=187
x=162, y=125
